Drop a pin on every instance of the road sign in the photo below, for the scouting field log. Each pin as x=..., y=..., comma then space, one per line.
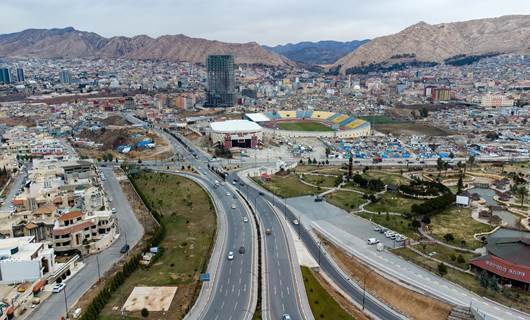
x=204, y=277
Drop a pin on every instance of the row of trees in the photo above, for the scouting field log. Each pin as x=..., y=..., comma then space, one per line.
x=370, y=184
x=433, y=206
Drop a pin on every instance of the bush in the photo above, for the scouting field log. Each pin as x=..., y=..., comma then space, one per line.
x=145, y=312
x=460, y=259
x=449, y=237
x=442, y=269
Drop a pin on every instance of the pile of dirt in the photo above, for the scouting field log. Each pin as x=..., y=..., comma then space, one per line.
x=115, y=121
x=410, y=303
x=109, y=138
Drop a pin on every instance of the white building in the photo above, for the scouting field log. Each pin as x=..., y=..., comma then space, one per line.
x=23, y=259
x=491, y=100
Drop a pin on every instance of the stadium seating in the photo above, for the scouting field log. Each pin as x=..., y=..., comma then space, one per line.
x=287, y=114
x=339, y=118
x=345, y=122
x=321, y=115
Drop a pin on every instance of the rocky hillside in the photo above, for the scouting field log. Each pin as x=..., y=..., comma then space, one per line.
x=71, y=43
x=425, y=43
x=317, y=53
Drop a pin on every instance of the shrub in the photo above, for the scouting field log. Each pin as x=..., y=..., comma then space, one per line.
x=145, y=312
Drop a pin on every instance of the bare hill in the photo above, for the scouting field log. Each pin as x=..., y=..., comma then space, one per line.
x=71, y=43
x=423, y=42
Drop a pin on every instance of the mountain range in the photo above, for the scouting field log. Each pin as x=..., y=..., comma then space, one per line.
x=317, y=53
x=456, y=42
x=71, y=43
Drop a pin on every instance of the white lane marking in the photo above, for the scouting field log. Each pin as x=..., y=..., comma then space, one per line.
x=288, y=291
x=238, y=292
x=235, y=305
x=233, y=288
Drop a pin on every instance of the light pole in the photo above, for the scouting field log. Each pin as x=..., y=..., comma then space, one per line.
x=299, y=224
x=97, y=262
x=65, y=302
x=319, y=249
x=364, y=285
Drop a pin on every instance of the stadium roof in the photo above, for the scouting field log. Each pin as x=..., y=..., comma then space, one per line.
x=257, y=117
x=235, y=126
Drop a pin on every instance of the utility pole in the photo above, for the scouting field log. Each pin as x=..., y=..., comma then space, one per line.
x=65, y=302
x=97, y=261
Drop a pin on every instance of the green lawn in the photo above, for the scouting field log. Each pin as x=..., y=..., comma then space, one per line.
x=511, y=297
x=346, y=200
x=446, y=254
x=459, y=223
x=322, y=303
x=392, y=202
x=386, y=177
x=288, y=186
x=304, y=126
x=321, y=181
x=392, y=222
x=190, y=222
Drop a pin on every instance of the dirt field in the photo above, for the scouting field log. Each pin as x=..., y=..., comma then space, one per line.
x=18, y=121
x=408, y=302
x=112, y=138
x=409, y=128
x=151, y=298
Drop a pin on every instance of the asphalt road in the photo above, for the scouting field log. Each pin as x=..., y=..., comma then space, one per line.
x=79, y=283
x=375, y=307
x=17, y=183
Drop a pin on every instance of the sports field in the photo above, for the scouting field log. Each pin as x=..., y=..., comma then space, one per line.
x=303, y=126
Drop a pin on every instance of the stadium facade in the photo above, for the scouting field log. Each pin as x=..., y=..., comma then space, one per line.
x=236, y=133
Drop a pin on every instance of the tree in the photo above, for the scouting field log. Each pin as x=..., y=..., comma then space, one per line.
x=471, y=161
x=145, y=312
x=460, y=184
x=416, y=224
x=442, y=269
x=328, y=151
x=449, y=237
x=522, y=191
x=439, y=165
x=460, y=259
x=426, y=220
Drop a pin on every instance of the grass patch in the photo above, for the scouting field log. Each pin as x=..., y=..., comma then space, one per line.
x=510, y=297
x=345, y=200
x=458, y=222
x=393, y=222
x=392, y=202
x=386, y=177
x=287, y=186
x=322, y=303
x=189, y=220
x=304, y=126
x=446, y=254
x=321, y=181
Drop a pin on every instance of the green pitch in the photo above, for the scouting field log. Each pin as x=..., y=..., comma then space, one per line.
x=303, y=126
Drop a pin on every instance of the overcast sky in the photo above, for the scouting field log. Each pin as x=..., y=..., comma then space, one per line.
x=266, y=22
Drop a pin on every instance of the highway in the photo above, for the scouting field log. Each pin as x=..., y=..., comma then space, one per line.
x=372, y=305
x=234, y=282
x=80, y=282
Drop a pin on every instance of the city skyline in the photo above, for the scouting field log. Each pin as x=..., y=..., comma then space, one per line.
x=240, y=21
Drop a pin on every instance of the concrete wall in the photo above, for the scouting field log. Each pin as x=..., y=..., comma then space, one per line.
x=19, y=271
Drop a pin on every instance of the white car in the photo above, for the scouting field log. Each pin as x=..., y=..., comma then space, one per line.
x=296, y=222
x=372, y=241
x=114, y=210
x=228, y=194
x=230, y=255
x=245, y=219
x=58, y=287
x=233, y=206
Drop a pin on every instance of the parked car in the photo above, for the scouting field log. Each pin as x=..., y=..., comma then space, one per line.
x=286, y=317
x=230, y=255
x=114, y=210
x=58, y=287
x=372, y=241
x=125, y=248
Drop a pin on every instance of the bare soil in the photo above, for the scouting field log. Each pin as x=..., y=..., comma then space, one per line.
x=410, y=303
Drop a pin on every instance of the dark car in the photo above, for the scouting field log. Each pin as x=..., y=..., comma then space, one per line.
x=261, y=193
x=241, y=250
x=124, y=249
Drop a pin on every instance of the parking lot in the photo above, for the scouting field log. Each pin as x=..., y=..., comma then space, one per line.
x=337, y=221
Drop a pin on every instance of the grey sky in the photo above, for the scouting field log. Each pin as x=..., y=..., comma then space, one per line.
x=267, y=22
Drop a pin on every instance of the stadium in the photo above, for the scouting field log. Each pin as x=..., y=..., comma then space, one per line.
x=308, y=123
x=249, y=132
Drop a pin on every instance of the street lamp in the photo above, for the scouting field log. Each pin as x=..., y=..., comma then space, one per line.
x=65, y=302
x=319, y=250
x=364, y=285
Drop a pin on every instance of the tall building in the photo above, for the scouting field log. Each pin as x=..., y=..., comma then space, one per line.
x=221, y=81
x=5, y=75
x=20, y=75
x=65, y=77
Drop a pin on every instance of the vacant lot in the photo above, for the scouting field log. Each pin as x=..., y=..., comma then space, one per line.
x=287, y=186
x=392, y=202
x=346, y=200
x=410, y=128
x=322, y=303
x=458, y=222
x=189, y=220
x=304, y=126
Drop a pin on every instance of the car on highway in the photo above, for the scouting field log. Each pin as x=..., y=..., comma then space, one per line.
x=230, y=255
x=114, y=210
x=241, y=250
x=233, y=206
x=234, y=183
x=296, y=222
x=319, y=198
x=58, y=287
x=286, y=317
x=268, y=231
x=228, y=194
x=261, y=193
x=372, y=241
x=245, y=219
x=125, y=248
